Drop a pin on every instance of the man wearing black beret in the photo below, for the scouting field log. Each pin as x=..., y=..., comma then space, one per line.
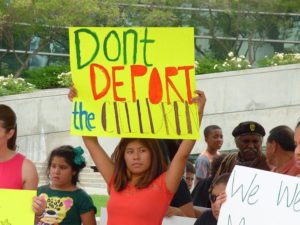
x=248, y=138
x=248, y=127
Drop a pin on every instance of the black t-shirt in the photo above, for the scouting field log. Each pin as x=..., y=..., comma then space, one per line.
x=182, y=195
x=200, y=193
x=206, y=218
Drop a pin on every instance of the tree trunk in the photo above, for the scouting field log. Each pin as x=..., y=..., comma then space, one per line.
x=24, y=64
x=20, y=70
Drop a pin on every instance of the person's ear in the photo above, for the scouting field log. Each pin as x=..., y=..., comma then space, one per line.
x=10, y=133
x=236, y=142
x=275, y=146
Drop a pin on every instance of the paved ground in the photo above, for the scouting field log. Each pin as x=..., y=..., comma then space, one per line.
x=99, y=191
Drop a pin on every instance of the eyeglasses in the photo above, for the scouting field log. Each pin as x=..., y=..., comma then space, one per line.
x=213, y=198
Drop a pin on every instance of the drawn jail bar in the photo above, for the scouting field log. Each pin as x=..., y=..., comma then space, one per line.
x=121, y=118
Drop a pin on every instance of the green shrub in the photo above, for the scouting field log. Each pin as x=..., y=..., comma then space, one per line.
x=65, y=79
x=4, y=68
x=280, y=59
x=45, y=77
x=10, y=86
x=210, y=65
x=206, y=65
x=232, y=63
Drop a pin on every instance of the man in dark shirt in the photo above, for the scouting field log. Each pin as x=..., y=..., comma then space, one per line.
x=181, y=204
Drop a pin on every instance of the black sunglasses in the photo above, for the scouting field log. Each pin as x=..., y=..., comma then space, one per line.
x=213, y=198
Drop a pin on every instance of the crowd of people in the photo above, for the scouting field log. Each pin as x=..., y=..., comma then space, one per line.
x=282, y=155
x=60, y=202
x=145, y=175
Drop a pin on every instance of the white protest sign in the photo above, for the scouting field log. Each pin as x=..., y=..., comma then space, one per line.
x=257, y=197
x=178, y=220
x=174, y=220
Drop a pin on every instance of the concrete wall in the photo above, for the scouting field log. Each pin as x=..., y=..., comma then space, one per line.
x=270, y=96
x=43, y=119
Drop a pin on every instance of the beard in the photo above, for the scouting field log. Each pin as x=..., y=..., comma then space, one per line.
x=249, y=154
x=249, y=157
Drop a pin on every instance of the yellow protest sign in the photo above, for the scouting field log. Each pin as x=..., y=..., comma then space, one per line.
x=15, y=207
x=134, y=82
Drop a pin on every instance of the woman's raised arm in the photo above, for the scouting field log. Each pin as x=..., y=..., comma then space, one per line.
x=102, y=161
x=176, y=169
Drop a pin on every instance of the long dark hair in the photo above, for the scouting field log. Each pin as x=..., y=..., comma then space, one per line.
x=67, y=152
x=158, y=164
x=8, y=121
x=221, y=179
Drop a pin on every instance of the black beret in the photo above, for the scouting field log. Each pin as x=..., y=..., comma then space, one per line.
x=248, y=127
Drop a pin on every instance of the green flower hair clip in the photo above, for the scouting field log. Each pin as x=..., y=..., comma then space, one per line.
x=78, y=159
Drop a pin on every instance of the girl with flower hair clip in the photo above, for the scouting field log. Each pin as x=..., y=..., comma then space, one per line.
x=66, y=203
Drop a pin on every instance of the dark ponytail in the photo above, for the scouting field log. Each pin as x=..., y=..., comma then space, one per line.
x=8, y=121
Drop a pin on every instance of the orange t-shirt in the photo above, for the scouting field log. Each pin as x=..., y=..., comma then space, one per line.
x=290, y=168
x=134, y=206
